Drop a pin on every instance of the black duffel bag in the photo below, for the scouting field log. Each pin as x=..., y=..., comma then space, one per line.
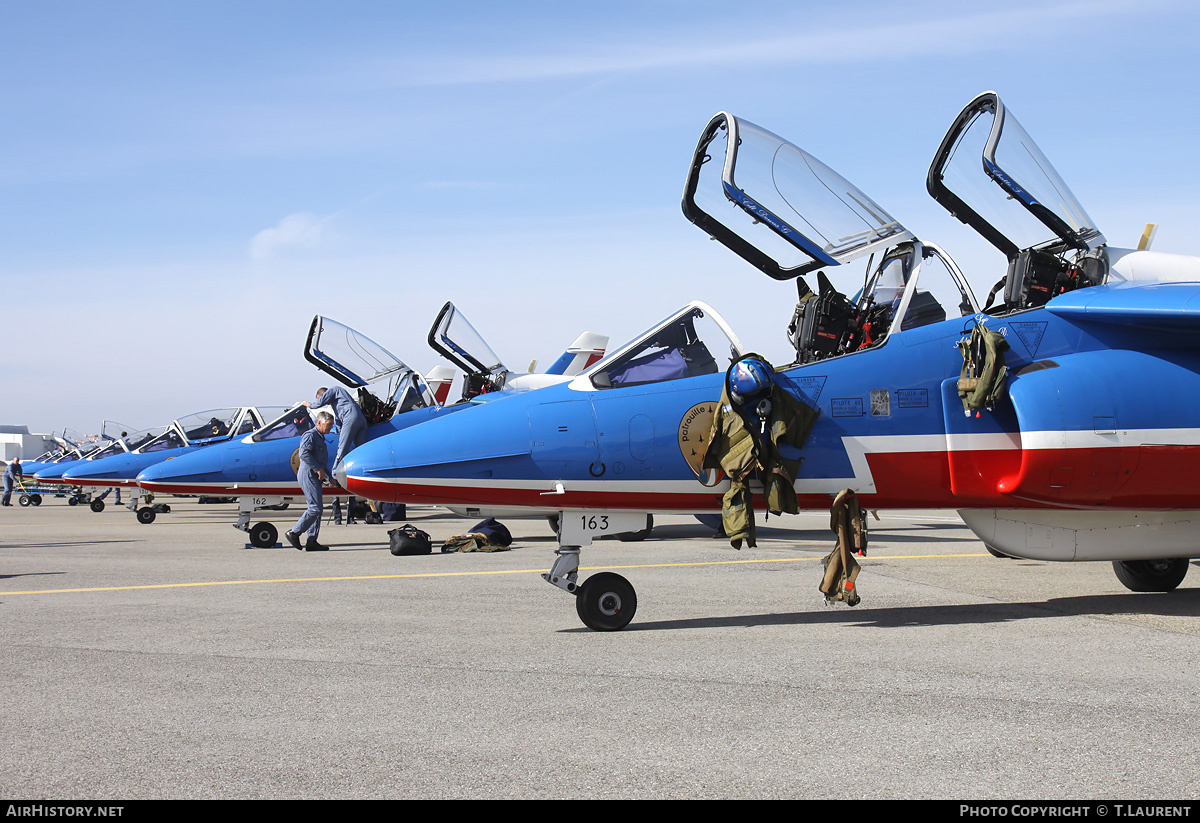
x=408, y=539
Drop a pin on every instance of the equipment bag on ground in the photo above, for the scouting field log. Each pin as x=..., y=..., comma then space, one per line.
x=408, y=539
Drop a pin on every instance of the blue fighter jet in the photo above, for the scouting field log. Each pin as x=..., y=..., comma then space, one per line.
x=260, y=469
x=66, y=446
x=1085, y=453
x=120, y=442
x=187, y=434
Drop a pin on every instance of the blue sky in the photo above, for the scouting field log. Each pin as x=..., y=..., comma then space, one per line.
x=182, y=186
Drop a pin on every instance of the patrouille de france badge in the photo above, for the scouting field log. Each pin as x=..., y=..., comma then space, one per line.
x=694, y=429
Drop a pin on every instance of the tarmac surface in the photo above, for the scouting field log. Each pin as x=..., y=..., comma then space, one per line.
x=167, y=661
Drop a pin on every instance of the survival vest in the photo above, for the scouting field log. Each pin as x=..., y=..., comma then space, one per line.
x=981, y=381
x=741, y=442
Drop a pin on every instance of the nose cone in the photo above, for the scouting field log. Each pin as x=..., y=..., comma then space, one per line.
x=199, y=472
x=359, y=469
x=53, y=474
x=111, y=471
x=444, y=460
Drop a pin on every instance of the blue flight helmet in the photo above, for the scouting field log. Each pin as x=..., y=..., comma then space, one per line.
x=749, y=377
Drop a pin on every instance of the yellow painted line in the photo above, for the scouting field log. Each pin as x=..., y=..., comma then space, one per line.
x=475, y=573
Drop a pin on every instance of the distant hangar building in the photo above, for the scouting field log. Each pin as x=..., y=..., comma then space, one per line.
x=16, y=441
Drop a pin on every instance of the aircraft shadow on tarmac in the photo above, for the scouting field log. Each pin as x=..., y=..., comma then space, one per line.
x=1180, y=603
x=59, y=543
x=28, y=574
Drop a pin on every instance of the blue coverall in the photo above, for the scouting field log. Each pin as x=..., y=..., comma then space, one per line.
x=352, y=426
x=11, y=473
x=313, y=455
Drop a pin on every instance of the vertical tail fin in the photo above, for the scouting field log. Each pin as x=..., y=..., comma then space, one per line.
x=439, y=379
x=586, y=350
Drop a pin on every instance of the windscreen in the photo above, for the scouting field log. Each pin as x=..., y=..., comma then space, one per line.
x=111, y=450
x=257, y=415
x=169, y=439
x=412, y=393
x=693, y=341
x=207, y=425
x=138, y=439
x=292, y=423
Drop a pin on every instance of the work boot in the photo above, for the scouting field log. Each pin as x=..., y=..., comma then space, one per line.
x=293, y=539
x=313, y=546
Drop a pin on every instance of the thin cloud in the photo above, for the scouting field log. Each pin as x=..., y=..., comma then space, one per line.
x=828, y=45
x=302, y=230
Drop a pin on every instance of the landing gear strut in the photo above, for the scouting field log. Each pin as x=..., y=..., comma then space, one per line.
x=605, y=602
x=262, y=535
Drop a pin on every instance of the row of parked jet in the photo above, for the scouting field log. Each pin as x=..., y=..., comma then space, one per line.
x=1085, y=454
x=249, y=452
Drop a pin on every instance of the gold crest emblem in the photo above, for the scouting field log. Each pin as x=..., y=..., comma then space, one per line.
x=694, y=429
x=296, y=461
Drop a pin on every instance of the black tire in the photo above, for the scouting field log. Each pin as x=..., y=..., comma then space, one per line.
x=642, y=534
x=35, y=499
x=552, y=519
x=1151, y=575
x=72, y=501
x=146, y=515
x=263, y=535
x=606, y=602
x=23, y=500
x=97, y=506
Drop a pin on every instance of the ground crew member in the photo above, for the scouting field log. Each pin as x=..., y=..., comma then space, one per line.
x=314, y=457
x=352, y=426
x=12, y=474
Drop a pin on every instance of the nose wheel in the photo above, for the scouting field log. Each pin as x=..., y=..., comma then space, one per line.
x=264, y=535
x=606, y=602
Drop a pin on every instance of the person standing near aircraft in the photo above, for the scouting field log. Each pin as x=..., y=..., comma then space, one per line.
x=352, y=425
x=314, y=456
x=12, y=474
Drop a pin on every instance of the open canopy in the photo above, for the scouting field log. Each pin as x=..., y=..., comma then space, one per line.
x=776, y=205
x=348, y=356
x=990, y=174
x=453, y=337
